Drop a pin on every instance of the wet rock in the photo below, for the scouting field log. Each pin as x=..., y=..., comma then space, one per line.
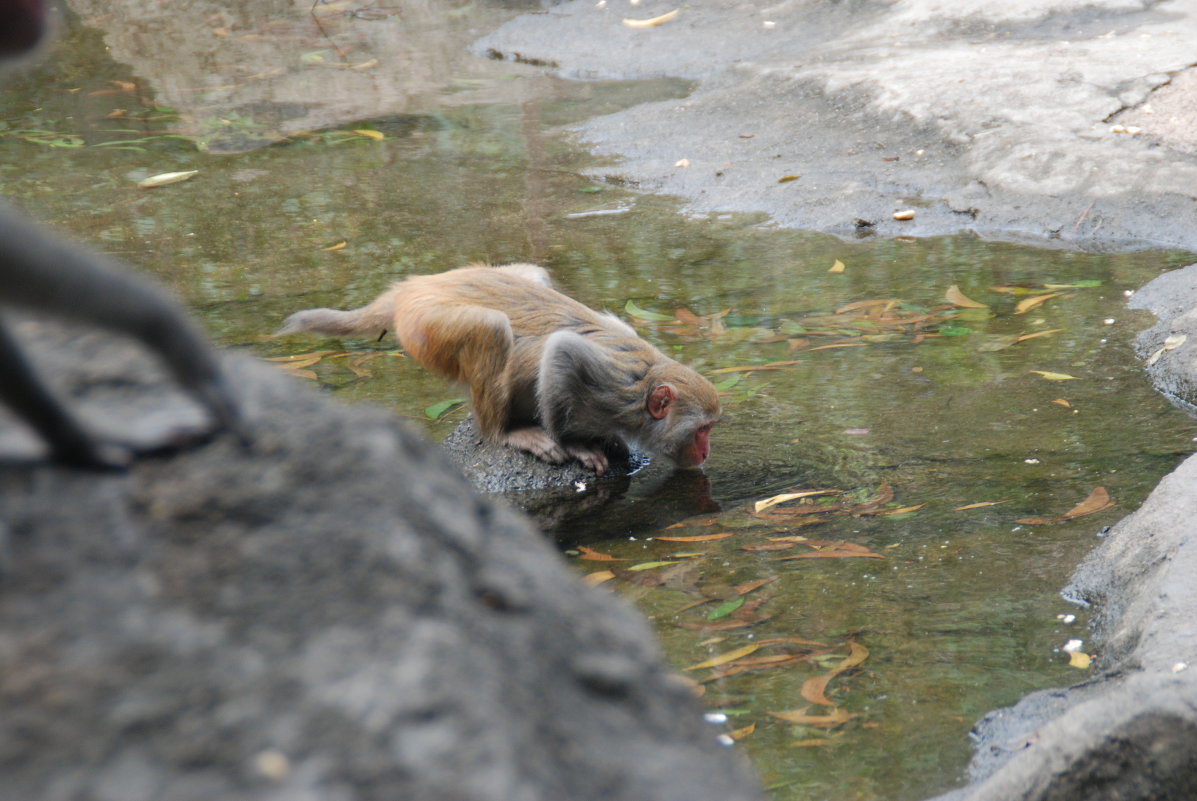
x=332, y=614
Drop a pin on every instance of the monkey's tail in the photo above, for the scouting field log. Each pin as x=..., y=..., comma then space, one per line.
x=373, y=318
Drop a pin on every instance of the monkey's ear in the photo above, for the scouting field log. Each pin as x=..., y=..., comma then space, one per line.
x=660, y=400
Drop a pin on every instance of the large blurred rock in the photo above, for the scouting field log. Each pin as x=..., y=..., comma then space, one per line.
x=332, y=615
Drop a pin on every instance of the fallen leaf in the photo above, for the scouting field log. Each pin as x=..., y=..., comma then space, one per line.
x=594, y=556
x=833, y=554
x=980, y=505
x=438, y=410
x=749, y=586
x=905, y=214
x=835, y=717
x=650, y=565
x=724, y=658
x=698, y=538
x=1037, y=334
x=812, y=743
x=1054, y=376
x=768, y=546
x=724, y=609
x=760, y=506
x=641, y=314
x=162, y=179
x=652, y=21
x=697, y=522
x=1078, y=659
x=785, y=179
x=370, y=133
x=838, y=267
x=1062, y=402
x=958, y=298
x=594, y=579
x=1026, y=305
x=1098, y=501
x=741, y=733
x=901, y=510
x=339, y=246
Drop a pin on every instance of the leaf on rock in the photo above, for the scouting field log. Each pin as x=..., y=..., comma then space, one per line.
x=1079, y=659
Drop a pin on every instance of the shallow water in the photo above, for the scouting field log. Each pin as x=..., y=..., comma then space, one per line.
x=960, y=615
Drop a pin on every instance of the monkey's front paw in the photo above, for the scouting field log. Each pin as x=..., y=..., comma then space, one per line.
x=537, y=442
x=594, y=458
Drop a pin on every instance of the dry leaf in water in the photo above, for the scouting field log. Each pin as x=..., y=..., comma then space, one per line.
x=958, y=298
x=1026, y=305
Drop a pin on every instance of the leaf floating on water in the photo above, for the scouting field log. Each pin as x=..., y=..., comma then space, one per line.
x=370, y=133
x=1054, y=376
x=438, y=410
x=642, y=314
x=1079, y=659
x=698, y=522
x=726, y=608
x=749, y=586
x=651, y=22
x=650, y=565
x=954, y=330
x=698, y=537
x=1037, y=334
x=1026, y=305
x=835, y=717
x=980, y=505
x=165, y=178
x=724, y=658
x=813, y=743
x=1088, y=283
x=741, y=733
x=760, y=506
x=838, y=267
x=1062, y=402
x=594, y=579
x=958, y=298
x=595, y=556
x=339, y=246
x=1098, y=501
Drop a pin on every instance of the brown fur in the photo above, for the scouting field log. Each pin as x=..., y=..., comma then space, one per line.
x=546, y=373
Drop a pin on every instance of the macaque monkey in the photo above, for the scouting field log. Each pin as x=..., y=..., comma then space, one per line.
x=546, y=374
x=42, y=273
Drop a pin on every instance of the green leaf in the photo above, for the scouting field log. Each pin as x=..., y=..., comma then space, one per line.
x=728, y=383
x=954, y=330
x=641, y=314
x=438, y=410
x=590, y=190
x=1088, y=283
x=726, y=608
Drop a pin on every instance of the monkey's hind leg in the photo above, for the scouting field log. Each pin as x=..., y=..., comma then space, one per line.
x=26, y=395
x=475, y=345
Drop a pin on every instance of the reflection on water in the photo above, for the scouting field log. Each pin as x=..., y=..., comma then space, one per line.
x=463, y=163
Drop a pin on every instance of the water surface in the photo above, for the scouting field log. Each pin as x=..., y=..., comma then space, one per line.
x=323, y=177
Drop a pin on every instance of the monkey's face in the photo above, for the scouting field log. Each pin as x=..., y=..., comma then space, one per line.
x=698, y=448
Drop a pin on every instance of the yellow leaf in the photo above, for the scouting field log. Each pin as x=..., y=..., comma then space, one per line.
x=958, y=298
x=1062, y=402
x=594, y=579
x=1054, y=376
x=760, y=506
x=652, y=21
x=1025, y=337
x=1080, y=660
x=725, y=657
x=814, y=742
x=1026, y=305
x=698, y=537
x=740, y=734
x=785, y=179
x=838, y=267
x=596, y=556
x=370, y=133
x=339, y=246
x=834, y=718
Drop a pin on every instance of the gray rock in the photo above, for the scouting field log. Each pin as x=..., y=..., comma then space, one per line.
x=332, y=614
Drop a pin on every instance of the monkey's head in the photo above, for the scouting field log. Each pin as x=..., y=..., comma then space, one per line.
x=22, y=26
x=685, y=409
